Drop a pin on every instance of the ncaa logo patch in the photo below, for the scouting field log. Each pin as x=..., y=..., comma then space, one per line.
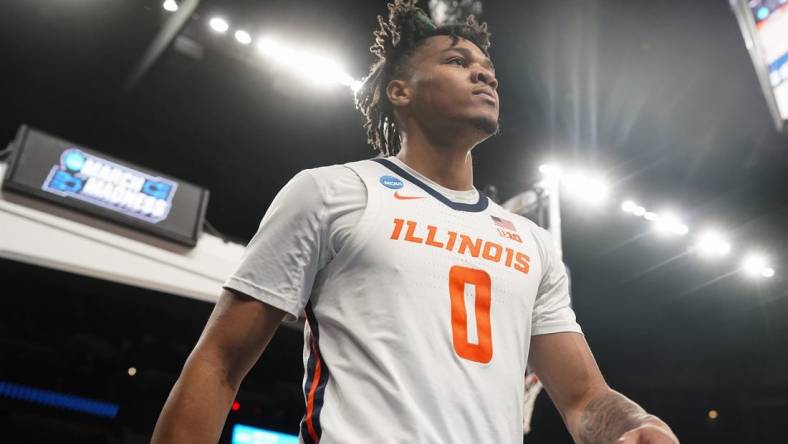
x=391, y=182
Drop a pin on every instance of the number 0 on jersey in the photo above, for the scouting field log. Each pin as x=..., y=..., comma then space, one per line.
x=471, y=329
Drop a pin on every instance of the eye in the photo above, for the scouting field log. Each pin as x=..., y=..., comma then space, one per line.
x=459, y=61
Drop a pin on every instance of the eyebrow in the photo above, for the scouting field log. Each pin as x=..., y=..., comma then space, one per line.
x=486, y=62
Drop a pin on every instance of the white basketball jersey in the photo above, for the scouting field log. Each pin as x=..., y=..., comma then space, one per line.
x=418, y=329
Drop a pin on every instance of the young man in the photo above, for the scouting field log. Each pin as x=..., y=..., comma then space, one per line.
x=424, y=301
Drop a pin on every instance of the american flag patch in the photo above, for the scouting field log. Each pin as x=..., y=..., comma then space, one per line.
x=503, y=223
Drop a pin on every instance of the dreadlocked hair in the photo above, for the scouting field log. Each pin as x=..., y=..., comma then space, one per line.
x=396, y=39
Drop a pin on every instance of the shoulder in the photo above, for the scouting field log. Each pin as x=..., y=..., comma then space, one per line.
x=331, y=179
x=330, y=191
x=327, y=174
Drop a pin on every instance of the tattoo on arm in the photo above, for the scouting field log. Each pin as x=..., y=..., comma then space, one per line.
x=607, y=416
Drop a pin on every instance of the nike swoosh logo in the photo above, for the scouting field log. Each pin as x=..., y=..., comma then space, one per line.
x=401, y=197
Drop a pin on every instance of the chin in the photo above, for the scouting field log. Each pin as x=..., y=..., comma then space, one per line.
x=487, y=125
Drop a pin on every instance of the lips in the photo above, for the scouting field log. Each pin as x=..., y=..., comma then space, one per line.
x=488, y=93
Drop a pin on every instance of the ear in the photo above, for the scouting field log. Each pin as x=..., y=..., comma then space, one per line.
x=399, y=93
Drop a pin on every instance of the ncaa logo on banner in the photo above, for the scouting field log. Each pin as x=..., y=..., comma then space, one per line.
x=391, y=182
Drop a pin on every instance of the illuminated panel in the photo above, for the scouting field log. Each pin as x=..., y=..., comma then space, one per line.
x=771, y=21
x=764, y=25
x=88, y=181
x=59, y=400
x=243, y=434
x=110, y=185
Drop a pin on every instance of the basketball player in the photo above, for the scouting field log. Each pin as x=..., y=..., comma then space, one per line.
x=424, y=301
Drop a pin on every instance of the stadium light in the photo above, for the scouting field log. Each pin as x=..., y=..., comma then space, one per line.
x=315, y=67
x=271, y=48
x=753, y=264
x=219, y=25
x=709, y=244
x=170, y=5
x=756, y=265
x=628, y=206
x=712, y=243
x=243, y=37
x=589, y=188
x=665, y=223
x=668, y=223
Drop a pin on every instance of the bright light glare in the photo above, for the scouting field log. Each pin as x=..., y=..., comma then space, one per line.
x=653, y=217
x=681, y=229
x=550, y=170
x=132, y=371
x=591, y=189
x=668, y=223
x=317, y=68
x=713, y=244
x=638, y=211
x=270, y=47
x=170, y=5
x=219, y=24
x=243, y=37
x=755, y=265
x=628, y=206
x=356, y=85
x=665, y=222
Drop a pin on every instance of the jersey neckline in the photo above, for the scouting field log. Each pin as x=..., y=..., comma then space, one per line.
x=479, y=206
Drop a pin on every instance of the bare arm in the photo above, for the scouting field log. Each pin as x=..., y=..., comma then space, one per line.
x=592, y=411
x=236, y=334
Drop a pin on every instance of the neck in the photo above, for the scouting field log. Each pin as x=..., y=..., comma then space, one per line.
x=445, y=161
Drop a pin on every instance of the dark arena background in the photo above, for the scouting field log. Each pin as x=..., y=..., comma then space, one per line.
x=666, y=118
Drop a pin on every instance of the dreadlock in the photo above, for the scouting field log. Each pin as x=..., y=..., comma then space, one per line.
x=396, y=39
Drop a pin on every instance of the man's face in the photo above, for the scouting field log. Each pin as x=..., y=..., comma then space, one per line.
x=453, y=84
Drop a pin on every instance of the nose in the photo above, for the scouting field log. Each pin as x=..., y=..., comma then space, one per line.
x=485, y=75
